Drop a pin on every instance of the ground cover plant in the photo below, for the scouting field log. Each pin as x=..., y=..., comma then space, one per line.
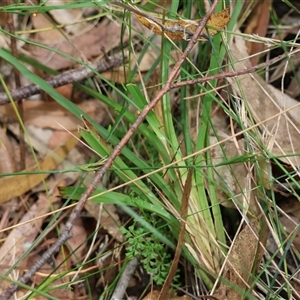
x=149, y=149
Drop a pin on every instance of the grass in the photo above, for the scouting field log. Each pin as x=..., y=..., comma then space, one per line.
x=154, y=166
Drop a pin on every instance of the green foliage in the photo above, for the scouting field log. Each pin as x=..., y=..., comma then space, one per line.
x=154, y=258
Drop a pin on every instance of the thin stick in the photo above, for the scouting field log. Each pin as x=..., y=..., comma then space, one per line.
x=124, y=280
x=67, y=77
x=14, y=51
x=183, y=214
x=232, y=74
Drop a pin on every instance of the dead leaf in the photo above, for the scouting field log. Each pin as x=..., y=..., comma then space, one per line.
x=7, y=161
x=77, y=242
x=233, y=179
x=244, y=259
x=281, y=133
x=23, y=236
x=68, y=16
x=287, y=66
x=7, y=165
x=57, y=138
x=153, y=295
x=52, y=115
x=17, y=185
x=56, y=287
x=41, y=22
x=290, y=218
x=109, y=218
x=85, y=44
x=258, y=22
x=185, y=29
x=120, y=75
x=64, y=90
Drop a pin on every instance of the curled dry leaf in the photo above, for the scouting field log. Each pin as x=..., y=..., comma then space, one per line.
x=185, y=29
x=258, y=22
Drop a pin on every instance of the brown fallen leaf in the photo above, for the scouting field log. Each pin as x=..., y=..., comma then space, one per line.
x=153, y=295
x=243, y=261
x=7, y=161
x=52, y=115
x=258, y=22
x=110, y=220
x=120, y=75
x=234, y=179
x=286, y=66
x=290, y=218
x=14, y=186
x=21, y=237
x=77, y=242
x=57, y=286
x=280, y=132
x=85, y=44
x=73, y=16
x=185, y=29
x=7, y=165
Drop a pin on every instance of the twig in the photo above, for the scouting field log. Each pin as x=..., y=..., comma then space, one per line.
x=124, y=280
x=234, y=73
x=14, y=50
x=183, y=214
x=67, y=77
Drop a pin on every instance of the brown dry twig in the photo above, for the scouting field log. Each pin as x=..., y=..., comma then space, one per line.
x=17, y=76
x=230, y=74
x=104, y=64
x=183, y=214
